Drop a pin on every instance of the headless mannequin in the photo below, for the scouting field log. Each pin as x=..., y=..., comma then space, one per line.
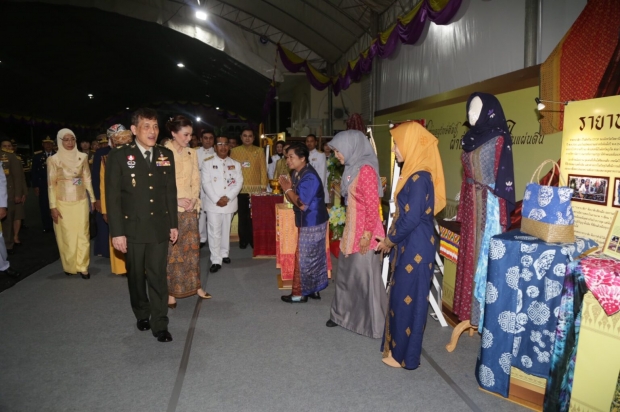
x=475, y=107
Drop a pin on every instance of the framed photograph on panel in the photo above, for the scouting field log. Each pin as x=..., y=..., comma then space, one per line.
x=616, y=193
x=589, y=189
x=611, y=248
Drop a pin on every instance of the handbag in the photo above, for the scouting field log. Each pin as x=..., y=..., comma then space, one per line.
x=92, y=223
x=547, y=212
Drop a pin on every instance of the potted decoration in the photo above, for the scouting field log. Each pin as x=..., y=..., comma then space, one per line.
x=337, y=219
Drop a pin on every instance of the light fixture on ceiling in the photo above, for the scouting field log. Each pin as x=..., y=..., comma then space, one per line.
x=90, y=96
x=540, y=106
x=127, y=108
x=201, y=15
x=217, y=108
x=198, y=119
x=180, y=65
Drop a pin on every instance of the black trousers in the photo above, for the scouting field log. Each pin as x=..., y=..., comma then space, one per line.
x=245, y=220
x=44, y=206
x=146, y=266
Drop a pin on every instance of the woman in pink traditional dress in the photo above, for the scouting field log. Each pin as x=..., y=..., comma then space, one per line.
x=360, y=300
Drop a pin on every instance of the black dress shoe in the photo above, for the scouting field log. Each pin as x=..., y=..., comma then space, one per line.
x=226, y=260
x=164, y=336
x=330, y=324
x=294, y=299
x=242, y=245
x=11, y=273
x=214, y=268
x=202, y=244
x=85, y=276
x=144, y=324
x=315, y=295
x=69, y=274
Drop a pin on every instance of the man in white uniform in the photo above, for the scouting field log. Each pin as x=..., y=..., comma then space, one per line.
x=204, y=152
x=4, y=263
x=221, y=181
x=318, y=161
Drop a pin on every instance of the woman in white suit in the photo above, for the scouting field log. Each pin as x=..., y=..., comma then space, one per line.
x=221, y=180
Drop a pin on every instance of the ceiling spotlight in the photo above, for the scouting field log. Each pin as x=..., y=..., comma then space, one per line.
x=127, y=108
x=217, y=108
x=201, y=15
x=90, y=96
x=180, y=65
x=198, y=119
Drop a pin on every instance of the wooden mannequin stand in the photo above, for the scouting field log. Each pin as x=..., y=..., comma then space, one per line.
x=456, y=334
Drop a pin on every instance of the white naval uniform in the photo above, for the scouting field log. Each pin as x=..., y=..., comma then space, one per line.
x=220, y=177
x=271, y=167
x=319, y=162
x=202, y=154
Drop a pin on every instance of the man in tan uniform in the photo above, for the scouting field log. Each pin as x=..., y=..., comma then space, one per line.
x=16, y=190
x=254, y=168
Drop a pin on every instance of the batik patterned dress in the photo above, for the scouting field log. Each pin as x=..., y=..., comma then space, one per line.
x=479, y=172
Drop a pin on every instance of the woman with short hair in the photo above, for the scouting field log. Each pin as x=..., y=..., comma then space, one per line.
x=304, y=190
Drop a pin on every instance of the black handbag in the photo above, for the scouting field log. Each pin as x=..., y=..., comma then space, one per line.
x=93, y=225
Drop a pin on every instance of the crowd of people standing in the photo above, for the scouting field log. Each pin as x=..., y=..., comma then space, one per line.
x=157, y=205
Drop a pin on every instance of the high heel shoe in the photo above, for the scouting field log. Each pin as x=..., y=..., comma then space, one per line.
x=206, y=296
x=85, y=275
x=172, y=305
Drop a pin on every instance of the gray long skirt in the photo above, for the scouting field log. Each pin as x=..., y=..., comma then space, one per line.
x=360, y=300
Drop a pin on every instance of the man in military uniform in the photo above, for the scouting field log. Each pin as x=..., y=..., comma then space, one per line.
x=254, y=168
x=39, y=181
x=221, y=179
x=16, y=190
x=101, y=244
x=141, y=200
x=203, y=153
x=5, y=266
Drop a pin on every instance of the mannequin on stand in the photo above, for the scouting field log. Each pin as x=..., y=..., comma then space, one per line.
x=486, y=201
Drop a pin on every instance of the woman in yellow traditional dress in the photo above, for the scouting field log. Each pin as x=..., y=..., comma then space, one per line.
x=184, y=255
x=118, y=135
x=70, y=188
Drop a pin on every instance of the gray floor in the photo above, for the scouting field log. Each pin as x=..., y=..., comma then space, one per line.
x=71, y=345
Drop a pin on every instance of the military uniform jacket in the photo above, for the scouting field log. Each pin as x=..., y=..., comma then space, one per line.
x=15, y=177
x=221, y=177
x=39, y=169
x=141, y=201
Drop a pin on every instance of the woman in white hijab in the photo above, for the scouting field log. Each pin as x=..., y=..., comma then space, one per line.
x=70, y=188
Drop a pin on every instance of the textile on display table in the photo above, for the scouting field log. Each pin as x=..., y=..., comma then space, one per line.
x=449, y=244
x=523, y=293
x=263, y=209
x=600, y=276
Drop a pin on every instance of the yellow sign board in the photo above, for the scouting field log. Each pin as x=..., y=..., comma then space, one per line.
x=591, y=163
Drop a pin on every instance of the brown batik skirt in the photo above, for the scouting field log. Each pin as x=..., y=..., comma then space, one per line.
x=184, y=258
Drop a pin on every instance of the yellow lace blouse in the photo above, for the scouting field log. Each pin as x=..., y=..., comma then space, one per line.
x=68, y=184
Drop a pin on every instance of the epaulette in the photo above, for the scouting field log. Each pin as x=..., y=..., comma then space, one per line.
x=38, y=152
x=208, y=158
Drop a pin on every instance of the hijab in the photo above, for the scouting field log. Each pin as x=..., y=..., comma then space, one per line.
x=357, y=152
x=490, y=124
x=419, y=150
x=69, y=158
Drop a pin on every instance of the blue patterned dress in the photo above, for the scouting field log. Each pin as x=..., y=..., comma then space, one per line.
x=412, y=262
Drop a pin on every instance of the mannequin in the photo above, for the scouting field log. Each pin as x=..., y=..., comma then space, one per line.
x=487, y=199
